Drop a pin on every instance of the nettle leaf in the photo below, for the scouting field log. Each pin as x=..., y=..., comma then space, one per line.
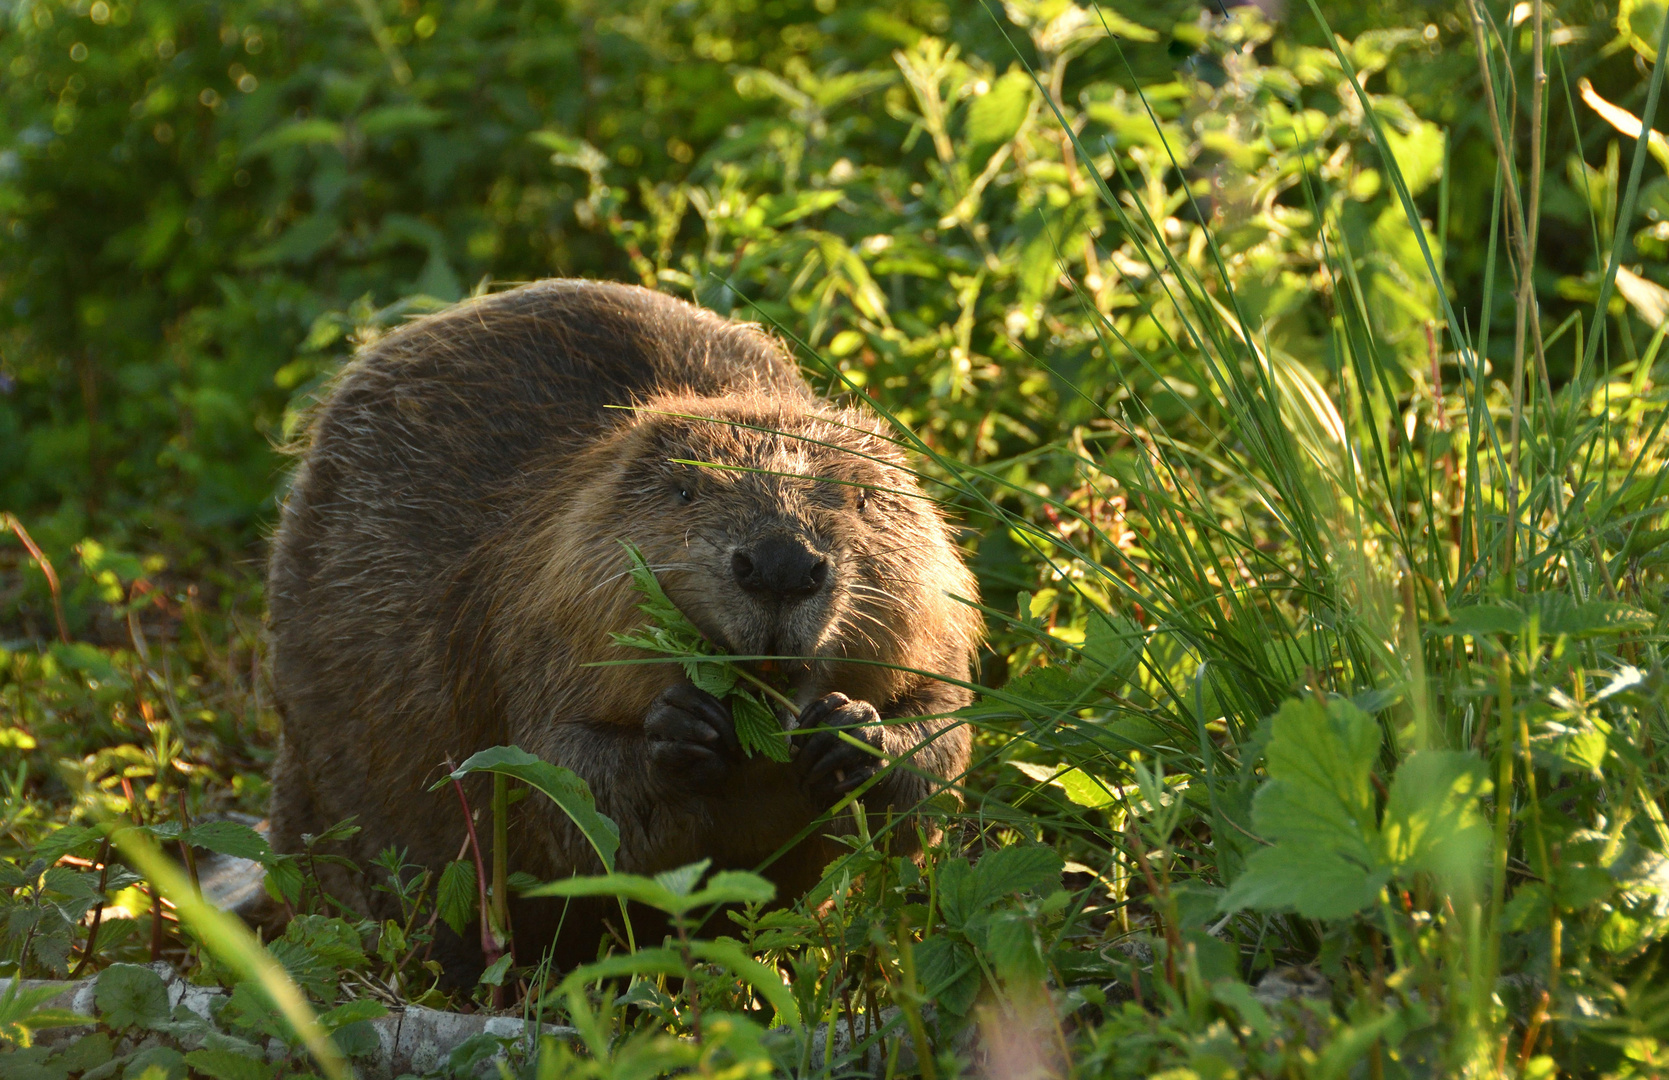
x=734, y=887
x=249, y=1010
x=128, y=995
x=315, y=948
x=1017, y=869
x=456, y=895
x=636, y=887
x=715, y=679
x=1558, y=615
x=948, y=972
x=68, y=839
x=11, y=876
x=1330, y=855
x=563, y=786
x=1432, y=822
x=284, y=880
x=958, y=895
x=230, y=838
x=1114, y=643
x=679, y=882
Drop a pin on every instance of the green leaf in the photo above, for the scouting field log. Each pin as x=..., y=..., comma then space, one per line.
x=156, y=1063
x=86, y=1052
x=757, y=728
x=296, y=133
x=284, y=880
x=563, y=786
x=781, y=210
x=672, y=891
x=626, y=886
x=948, y=972
x=494, y=975
x=352, y=1012
x=387, y=119
x=230, y=838
x=456, y=896
x=1318, y=807
x=61, y=842
x=1316, y=883
x=128, y=995
x=1012, y=947
x=671, y=633
x=734, y=887
x=1016, y=869
x=1432, y=821
x=1418, y=154
x=1554, y=614
x=248, y=1009
x=1480, y=620
x=995, y=116
x=1320, y=794
x=715, y=679
x=659, y=961
x=228, y=1065
x=764, y=979
x=1559, y=615
x=1115, y=643
x=1079, y=787
x=679, y=882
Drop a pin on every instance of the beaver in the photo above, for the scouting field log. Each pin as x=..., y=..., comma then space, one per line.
x=449, y=568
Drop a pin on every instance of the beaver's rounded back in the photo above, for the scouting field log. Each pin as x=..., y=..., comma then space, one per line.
x=450, y=566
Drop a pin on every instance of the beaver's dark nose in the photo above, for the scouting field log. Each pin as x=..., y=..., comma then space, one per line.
x=780, y=568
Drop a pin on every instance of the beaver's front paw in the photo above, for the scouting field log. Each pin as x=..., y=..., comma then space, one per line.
x=830, y=766
x=692, y=740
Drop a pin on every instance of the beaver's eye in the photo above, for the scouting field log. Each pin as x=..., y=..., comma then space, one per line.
x=863, y=499
x=685, y=495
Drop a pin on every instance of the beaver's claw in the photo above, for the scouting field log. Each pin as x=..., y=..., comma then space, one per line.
x=830, y=766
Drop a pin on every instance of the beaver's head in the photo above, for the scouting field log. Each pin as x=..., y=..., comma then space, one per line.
x=796, y=534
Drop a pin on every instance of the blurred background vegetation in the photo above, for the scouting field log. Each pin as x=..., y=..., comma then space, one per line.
x=200, y=202
x=1226, y=429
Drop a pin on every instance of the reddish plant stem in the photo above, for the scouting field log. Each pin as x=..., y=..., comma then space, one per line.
x=489, y=940
x=9, y=521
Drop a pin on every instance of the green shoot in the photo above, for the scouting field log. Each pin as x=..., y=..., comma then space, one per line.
x=671, y=633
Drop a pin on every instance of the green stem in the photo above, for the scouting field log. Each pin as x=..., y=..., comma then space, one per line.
x=769, y=691
x=1503, y=811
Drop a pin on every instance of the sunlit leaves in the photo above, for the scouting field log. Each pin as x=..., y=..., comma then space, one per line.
x=1330, y=852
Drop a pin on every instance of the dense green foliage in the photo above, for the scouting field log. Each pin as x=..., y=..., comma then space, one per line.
x=1324, y=572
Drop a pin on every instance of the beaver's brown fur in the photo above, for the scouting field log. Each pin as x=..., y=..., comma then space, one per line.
x=449, y=562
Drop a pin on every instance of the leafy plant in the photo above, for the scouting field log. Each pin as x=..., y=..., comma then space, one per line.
x=670, y=632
